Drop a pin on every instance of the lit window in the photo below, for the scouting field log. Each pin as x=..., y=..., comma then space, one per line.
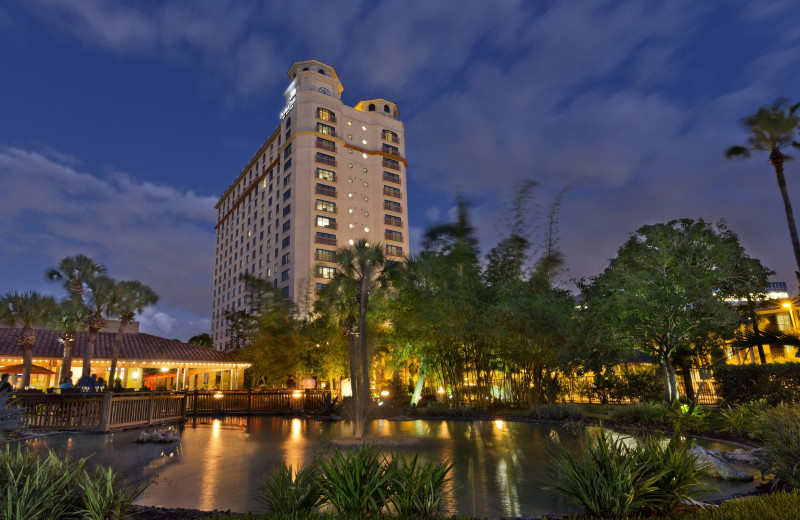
x=349, y=165
x=366, y=183
x=365, y=170
x=366, y=213
x=350, y=211
x=366, y=199
x=363, y=141
x=366, y=229
x=364, y=155
x=349, y=123
x=363, y=127
x=351, y=225
x=350, y=180
x=351, y=242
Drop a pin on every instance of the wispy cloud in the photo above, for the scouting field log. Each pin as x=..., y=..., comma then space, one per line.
x=150, y=232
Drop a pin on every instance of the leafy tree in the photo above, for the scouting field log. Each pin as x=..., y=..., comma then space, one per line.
x=202, y=340
x=772, y=129
x=129, y=298
x=24, y=311
x=664, y=293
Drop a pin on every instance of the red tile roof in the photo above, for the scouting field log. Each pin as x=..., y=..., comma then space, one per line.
x=134, y=347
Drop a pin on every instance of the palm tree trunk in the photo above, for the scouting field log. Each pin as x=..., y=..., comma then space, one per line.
x=362, y=329
x=27, y=364
x=115, y=352
x=776, y=158
x=88, y=352
x=415, y=397
x=66, y=361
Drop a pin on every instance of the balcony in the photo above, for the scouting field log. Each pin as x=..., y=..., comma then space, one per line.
x=325, y=190
x=325, y=115
x=328, y=146
x=391, y=137
x=331, y=225
x=391, y=164
x=391, y=177
x=325, y=159
x=394, y=237
x=325, y=241
x=323, y=209
x=392, y=192
x=389, y=206
x=394, y=222
x=331, y=258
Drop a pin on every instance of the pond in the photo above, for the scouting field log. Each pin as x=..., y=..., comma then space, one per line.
x=499, y=468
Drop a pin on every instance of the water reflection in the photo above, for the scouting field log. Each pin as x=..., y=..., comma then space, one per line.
x=499, y=468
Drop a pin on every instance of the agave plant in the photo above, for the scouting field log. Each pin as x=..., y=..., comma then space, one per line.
x=107, y=496
x=418, y=488
x=283, y=493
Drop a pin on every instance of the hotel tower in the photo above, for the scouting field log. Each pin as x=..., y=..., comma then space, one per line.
x=328, y=175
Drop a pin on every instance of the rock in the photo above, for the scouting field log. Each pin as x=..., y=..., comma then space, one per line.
x=159, y=436
x=714, y=464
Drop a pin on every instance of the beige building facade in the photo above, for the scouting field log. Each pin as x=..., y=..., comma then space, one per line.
x=328, y=175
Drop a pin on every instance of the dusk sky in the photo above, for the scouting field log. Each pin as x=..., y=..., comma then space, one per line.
x=121, y=123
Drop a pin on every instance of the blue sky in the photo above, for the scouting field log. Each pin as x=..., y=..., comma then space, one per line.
x=122, y=122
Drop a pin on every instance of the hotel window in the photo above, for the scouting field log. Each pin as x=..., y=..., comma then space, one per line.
x=391, y=205
x=326, y=145
x=393, y=235
x=319, y=287
x=388, y=135
x=326, y=222
x=325, y=272
x=327, y=239
x=287, y=151
x=391, y=164
x=391, y=191
x=325, y=255
x=285, y=242
x=326, y=115
x=392, y=220
x=326, y=175
x=327, y=159
x=288, y=193
x=285, y=275
x=287, y=225
x=326, y=206
x=391, y=177
x=322, y=189
x=391, y=150
x=326, y=129
x=285, y=292
x=394, y=250
x=285, y=258
x=287, y=209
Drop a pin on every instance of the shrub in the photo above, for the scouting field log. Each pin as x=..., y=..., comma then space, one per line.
x=418, y=487
x=639, y=413
x=281, y=493
x=779, y=428
x=357, y=482
x=616, y=478
x=556, y=412
x=776, y=382
x=33, y=489
x=442, y=410
x=107, y=496
x=741, y=421
x=642, y=386
x=682, y=418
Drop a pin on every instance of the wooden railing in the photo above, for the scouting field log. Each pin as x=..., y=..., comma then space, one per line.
x=104, y=412
x=100, y=411
x=248, y=402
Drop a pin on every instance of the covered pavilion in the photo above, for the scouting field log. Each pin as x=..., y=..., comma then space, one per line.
x=144, y=361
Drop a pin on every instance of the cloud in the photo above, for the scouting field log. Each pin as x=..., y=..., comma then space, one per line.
x=153, y=233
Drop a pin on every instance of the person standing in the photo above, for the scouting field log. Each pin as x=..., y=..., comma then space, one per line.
x=5, y=386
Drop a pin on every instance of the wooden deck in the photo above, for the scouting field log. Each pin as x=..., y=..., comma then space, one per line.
x=104, y=412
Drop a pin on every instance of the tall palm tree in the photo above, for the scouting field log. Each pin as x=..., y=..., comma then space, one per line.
x=25, y=311
x=130, y=298
x=360, y=273
x=73, y=272
x=99, y=298
x=772, y=129
x=69, y=319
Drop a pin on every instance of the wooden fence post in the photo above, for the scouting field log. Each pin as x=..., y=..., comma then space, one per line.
x=249, y=400
x=105, y=411
x=152, y=409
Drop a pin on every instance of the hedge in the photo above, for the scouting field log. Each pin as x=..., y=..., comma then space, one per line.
x=774, y=382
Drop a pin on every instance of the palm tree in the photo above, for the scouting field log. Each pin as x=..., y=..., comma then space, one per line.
x=771, y=130
x=359, y=274
x=25, y=311
x=70, y=317
x=130, y=298
x=74, y=272
x=99, y=298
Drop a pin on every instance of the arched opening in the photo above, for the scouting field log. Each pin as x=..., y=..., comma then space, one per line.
x=386, y=109
x=371, y=107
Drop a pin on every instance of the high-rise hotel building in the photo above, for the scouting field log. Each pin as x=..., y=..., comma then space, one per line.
x=328, y=175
